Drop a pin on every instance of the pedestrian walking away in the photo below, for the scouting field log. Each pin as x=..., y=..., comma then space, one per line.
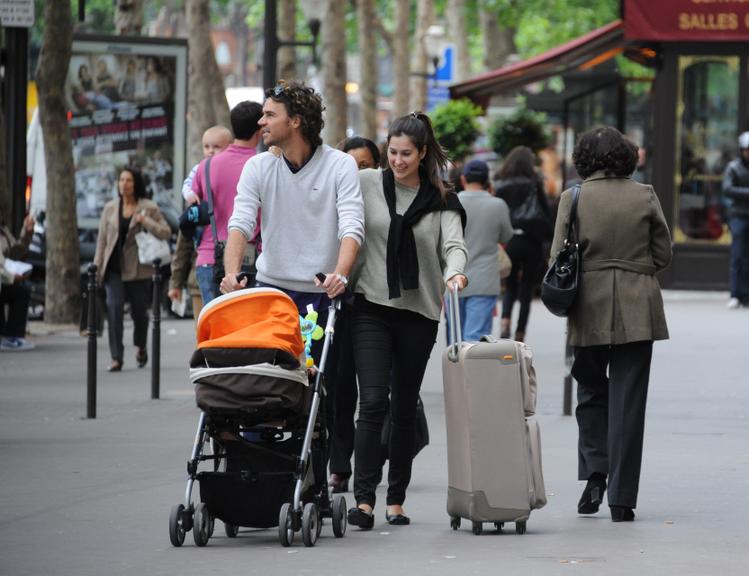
x=414, y=247
x=225, y=169
x=312, y=216
x=118, y=266
x=488, y=224
x=518, y=184
x=623, y=240
x=736, y=189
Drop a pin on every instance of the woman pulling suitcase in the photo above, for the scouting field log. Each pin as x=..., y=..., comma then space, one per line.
x=414, y=246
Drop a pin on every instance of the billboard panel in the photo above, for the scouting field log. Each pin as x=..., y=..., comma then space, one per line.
x=127, y=102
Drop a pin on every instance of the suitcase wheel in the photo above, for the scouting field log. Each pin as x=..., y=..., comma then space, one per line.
x=520, y=527
x=477, y=528
x=455, y=523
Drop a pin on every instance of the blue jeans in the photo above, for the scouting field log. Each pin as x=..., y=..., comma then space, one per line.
x=208, y=287
x=476, y=315
x=739, y=267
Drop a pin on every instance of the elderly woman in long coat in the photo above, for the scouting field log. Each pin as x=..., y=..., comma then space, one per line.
x=623, y=241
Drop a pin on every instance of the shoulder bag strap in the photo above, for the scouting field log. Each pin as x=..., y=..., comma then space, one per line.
x=209, y=193
x=572, y=223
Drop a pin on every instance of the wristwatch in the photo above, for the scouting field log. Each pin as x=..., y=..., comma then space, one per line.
x=343, y=279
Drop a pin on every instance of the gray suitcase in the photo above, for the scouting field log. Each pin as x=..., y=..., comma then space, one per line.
x=493, y=441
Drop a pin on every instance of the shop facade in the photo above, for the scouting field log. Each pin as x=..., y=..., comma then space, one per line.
x=687, y=117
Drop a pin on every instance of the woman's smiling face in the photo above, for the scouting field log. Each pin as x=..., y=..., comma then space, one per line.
x=404, y=159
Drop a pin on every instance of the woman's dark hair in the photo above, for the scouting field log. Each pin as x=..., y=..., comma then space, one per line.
x=356, y=142
x=301, y=100
x=139, y=184
x=520, y=162
x=418, y=128
x=604, y=149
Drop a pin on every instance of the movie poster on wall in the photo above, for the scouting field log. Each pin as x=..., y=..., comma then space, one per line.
x=127, y=102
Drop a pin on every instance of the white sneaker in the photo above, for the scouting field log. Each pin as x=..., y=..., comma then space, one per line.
x=16, y=344
x=733, y=303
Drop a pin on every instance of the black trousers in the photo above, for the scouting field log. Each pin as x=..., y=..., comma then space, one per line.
x=390, y=345
x=611, y=415
x=138, y=293
x=527, y=257
x=17, y=296
x=342, y=396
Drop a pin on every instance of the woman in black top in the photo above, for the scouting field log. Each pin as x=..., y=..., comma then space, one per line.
x=518, y=184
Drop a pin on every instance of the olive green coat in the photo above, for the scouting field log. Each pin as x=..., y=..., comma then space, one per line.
x=623, y=240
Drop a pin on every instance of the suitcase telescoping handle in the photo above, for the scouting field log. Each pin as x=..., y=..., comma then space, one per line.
x=456, y=335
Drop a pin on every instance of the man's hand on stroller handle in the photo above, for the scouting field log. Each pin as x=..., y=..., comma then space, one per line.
x=233, y=282
x=334, y=284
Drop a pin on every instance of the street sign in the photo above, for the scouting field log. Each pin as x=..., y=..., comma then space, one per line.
x=445, y=72
x=437, y=95
x=17, y=13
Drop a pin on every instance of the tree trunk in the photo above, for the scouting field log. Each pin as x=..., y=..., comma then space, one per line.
x=401, y=61
x=368, y=54
x=128, y=17
x=499, y=42
x=456, y=16
x=287, y=32
x=63, y=269
x=334, y=70
x=207, y=104
x=421, y=64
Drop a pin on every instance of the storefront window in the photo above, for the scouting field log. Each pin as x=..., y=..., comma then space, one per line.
x=707, y=113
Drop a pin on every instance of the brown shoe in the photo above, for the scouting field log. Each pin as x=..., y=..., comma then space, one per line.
x=520, y=336
x=338, y=483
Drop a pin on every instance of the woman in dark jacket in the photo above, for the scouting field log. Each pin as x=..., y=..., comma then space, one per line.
x=623, y=241
x=117, y=262
x=518, y=184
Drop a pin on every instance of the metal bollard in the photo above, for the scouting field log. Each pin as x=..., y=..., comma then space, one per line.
x=569, y=360
x=92, y=322
x=156, y=330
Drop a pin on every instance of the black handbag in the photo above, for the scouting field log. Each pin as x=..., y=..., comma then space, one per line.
x=421, y=438
x=562, y=280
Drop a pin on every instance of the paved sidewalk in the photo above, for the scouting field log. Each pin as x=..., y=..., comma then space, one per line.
x=92, y=497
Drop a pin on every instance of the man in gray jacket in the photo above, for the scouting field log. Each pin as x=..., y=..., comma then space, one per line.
x=736, y=187
x=487, y=225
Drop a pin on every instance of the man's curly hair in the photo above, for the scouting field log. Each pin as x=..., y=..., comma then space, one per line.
x=301, y=100
x=604, y=149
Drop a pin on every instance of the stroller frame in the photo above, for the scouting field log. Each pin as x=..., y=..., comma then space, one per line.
x=294, y=516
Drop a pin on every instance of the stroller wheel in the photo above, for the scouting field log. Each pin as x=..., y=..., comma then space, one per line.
x=231, y=530
x=310, y=524
x=201, y=525
x=176, y=529
x=340, y=519
x=286, y=525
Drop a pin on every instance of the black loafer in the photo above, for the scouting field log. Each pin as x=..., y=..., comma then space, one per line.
x=622, y=514
x=592, y=496
x=360, y=518
x=141, y=357
x=397, y=519
x=115, y=366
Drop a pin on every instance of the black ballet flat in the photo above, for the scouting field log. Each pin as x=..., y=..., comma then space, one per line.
x=592, y=496
x=397, y=519
x=622, y=514
x=361, y=518
x=115, y=366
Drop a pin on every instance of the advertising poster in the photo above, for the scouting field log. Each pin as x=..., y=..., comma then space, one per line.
x=127, y=102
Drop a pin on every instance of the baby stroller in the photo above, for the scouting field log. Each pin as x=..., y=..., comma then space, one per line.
x=260, y=424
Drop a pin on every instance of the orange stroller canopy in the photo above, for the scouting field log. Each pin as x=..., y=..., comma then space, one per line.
x=251, y=318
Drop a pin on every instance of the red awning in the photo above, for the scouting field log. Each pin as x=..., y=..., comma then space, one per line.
x=582, y=53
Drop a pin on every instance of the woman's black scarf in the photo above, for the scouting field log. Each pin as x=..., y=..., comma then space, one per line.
x=402, y=259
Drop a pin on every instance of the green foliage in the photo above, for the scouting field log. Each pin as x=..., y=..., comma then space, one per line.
x=521, y=128
x=456, y=127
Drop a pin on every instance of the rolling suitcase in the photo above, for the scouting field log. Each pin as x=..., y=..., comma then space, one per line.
x=493, y=442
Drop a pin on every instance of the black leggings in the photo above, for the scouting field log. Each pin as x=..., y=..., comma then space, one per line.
x=387, y=340
x=527, y=257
